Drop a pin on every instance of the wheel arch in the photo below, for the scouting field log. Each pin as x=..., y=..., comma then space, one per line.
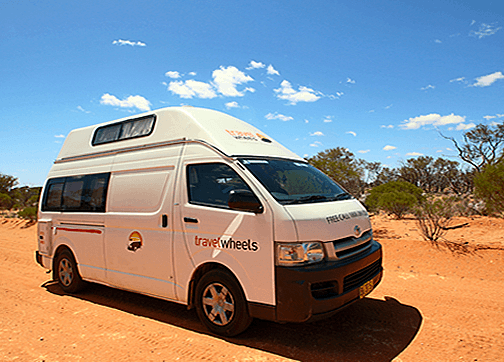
x=198, y=274
x=61, y=248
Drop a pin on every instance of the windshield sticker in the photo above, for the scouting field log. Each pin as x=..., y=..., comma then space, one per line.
x=345, y=216
x=219, y=243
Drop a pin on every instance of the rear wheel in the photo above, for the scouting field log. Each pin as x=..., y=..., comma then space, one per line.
x=221, y=304
x=66, y=273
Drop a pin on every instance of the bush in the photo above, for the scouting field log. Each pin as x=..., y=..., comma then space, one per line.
x=489, y=187
x=28, y=213
x=395, y=197
x=434, y=215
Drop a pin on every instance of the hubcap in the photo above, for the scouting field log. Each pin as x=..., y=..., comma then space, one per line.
x=65, y=272
x=218, y=304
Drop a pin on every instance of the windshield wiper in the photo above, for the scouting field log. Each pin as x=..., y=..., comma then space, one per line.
x=307, y=198
x=342, y=196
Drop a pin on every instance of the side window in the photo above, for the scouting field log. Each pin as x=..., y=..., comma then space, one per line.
x=53, y=193
x=76, y=193
x=210, y=184
x=72, y=193
x=124, y=130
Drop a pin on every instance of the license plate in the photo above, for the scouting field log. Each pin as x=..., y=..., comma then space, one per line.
x=366, y=288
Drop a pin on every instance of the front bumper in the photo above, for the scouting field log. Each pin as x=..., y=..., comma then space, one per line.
x=320, y=290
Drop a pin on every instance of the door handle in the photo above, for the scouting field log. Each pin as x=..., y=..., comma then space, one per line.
x=164, y=220
x=191, y=220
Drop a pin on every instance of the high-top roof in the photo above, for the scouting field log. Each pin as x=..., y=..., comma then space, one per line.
x=230, y=135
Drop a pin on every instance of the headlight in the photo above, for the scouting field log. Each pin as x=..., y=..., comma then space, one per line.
x=291, y=254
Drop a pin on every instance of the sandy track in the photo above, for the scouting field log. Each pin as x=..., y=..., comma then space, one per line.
x=431, y=306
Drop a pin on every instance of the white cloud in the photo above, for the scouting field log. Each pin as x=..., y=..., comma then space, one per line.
x=60, y=136
x=272, y=71
x=414, y=154
x=317, y=133
x=192, y=74
x=304, y=94
x=131, y=102
x=82, y=109
x=389, y=148
x=489, y=117
x=431, y=119
x=129, y=42
x=487, y=80
x=389, y=126
x=232, y=105
x=255, y=65
x=363, y=151
x=461, y=79
x=352, y=133
x=227, y=79
x=173, y=74
x=430, y=86
x=484, y=30
x=281, y=117
x=328, y=119
x=192, y=88
x=351, y=81
x=316, y=144
x=437, y=41
x=465, y=127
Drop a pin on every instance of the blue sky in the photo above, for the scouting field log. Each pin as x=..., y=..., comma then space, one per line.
x=381, y=78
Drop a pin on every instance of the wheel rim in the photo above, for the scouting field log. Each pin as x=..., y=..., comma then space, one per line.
x=218, y=304
x=65, y=272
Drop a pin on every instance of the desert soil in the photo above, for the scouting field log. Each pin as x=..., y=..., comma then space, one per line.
x=432, y=305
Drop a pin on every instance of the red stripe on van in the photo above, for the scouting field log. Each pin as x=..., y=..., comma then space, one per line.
x=90, y=231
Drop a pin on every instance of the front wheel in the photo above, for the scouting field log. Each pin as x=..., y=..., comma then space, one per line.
x=66, y=273
x=221, y=304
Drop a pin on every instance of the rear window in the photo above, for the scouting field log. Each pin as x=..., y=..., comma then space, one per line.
x=140, y=127
x=85, y=193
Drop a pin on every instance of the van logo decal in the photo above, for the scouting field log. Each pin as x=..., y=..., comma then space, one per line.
x=247, y=136
x=135, y=241
x=227, y=243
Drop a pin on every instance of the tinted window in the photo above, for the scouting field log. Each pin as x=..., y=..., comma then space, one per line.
x=124, y=130
x=210, y=184
x=76, y=193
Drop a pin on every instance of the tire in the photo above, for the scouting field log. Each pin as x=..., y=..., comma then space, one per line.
x=221, y=304
x=66, y=273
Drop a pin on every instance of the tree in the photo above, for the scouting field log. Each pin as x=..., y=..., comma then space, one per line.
x=483, y=145
x=489, y=187
x=395, y=197
x=419, y=172
x=342, y=166
x=7, y=183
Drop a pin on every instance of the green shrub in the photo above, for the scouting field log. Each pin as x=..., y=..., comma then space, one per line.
x=489, y=187
x=395, y=197
x=28, y=213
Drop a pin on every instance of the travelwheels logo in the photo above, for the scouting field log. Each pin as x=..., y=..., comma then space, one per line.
x=248, y=136
x=221, y=243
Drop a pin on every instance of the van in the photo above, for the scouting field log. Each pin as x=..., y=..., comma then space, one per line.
x=200, y=208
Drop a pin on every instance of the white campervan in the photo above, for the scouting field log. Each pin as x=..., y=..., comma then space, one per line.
x=197, y=207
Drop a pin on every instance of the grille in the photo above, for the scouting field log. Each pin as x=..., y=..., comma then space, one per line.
x=342, y=254
x=360, y=277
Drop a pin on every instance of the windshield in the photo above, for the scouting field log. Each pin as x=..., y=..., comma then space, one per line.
x=292, y=182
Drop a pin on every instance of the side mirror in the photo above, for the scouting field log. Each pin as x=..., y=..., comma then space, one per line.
x=244, y=200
